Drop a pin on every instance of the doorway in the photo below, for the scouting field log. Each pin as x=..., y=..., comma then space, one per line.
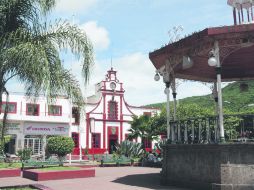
x=35, y=143
x=10, y=146
x=112, y=143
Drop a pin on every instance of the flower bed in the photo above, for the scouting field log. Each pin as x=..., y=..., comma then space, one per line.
x=55, y=173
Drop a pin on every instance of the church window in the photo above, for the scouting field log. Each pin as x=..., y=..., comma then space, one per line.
x=76, y=115
x=75, y=138
x=96, y=140
x=112, y=110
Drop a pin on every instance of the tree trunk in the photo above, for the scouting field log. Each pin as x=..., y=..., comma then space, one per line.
x=2, y=91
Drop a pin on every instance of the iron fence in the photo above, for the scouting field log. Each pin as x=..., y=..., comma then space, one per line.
x=205, y=130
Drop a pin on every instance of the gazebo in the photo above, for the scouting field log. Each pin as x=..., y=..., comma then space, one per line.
x=215, y=55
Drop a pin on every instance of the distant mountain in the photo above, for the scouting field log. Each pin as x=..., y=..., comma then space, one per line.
x=236, y=97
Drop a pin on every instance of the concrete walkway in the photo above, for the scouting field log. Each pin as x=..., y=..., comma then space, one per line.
x=109, y=178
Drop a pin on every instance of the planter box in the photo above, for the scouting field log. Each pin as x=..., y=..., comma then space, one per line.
x=55, y=175
x=10, y=172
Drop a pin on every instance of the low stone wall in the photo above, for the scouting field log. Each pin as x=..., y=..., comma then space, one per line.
x=200, y=166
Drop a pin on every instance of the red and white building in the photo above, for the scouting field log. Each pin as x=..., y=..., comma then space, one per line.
x=108, y=115
x=104, y=122
x=30, y=121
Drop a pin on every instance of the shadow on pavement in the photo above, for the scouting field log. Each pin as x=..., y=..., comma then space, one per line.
x=150, y=181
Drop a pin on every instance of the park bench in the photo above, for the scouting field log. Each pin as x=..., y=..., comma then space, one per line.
x=123, y=160
x=106, y=159
x=119, y=161
x=40, y=164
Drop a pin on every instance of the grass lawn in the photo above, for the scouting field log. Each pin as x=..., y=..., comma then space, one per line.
x=59, y=168
x=4, y=165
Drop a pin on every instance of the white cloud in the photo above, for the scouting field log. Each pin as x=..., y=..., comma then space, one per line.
x=97, y=34
x=74, y=6
x=137, y=73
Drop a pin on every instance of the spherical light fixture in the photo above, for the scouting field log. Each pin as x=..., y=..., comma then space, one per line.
x=157, y=76
x=212, y=61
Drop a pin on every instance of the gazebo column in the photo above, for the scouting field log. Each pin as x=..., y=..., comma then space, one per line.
x=251, y=11
x=242, y=13
x=220, y=107
x=166, y=80
x=239, y=17
x=215, y=96
x=174, y=116
x=248, y=15
x=234, y=14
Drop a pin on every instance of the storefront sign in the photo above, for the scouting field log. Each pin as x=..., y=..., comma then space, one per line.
x=46, y=129
x=12, y=128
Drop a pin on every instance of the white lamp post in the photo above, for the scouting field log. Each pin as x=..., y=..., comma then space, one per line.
x=166, y=80
x=214, y=61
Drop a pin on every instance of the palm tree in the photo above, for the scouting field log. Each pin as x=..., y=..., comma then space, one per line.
x=141, y=127
x=30, y=51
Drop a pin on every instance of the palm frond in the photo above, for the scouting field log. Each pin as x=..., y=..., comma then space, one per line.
x=46, y=5
x=34, y=58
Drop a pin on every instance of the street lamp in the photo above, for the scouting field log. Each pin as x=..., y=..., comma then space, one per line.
x=214, y=61
x=157, y=76
x=166, y=80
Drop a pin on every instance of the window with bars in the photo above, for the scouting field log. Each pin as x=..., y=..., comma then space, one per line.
x=96, y=140
x=32, y=109
x=76, y=115
x=112, y=110
x=10, y=106
x=75, y=138
x=35, y=144
x=54, y=110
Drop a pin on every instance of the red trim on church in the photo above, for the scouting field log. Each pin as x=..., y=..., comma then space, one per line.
x=104, y=121
x=109, y=121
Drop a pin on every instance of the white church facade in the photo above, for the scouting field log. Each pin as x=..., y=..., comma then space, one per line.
x=104, y=123
x=108, y=115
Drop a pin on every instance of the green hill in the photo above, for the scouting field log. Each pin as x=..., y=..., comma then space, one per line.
x=236, y=97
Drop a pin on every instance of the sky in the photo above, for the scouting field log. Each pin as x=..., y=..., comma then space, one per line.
x=126, y=31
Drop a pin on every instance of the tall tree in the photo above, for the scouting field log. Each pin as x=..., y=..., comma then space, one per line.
x=30, y=51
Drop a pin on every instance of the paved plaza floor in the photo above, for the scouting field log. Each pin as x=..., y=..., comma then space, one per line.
x=108, y=178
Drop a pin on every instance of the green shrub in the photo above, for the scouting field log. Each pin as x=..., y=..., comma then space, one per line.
x=61, y=146
x=25, y=154
x=129, y=149
x=85, y=151
x=6, y=139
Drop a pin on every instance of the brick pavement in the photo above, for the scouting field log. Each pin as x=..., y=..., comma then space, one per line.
x=120, y=178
